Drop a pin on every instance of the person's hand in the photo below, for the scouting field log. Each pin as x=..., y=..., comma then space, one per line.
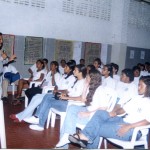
x=123, y=129
x=112, y=114
x=4, y=55
x=63, y=96
x=12, y=57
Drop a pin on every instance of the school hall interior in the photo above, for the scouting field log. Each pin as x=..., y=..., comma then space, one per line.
x=115, y=31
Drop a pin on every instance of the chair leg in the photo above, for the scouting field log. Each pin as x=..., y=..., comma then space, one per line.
x=48, y=119
x=105, y=143
x=13, y=89
x=26, y=101
x=53, y=118
x=100, y=142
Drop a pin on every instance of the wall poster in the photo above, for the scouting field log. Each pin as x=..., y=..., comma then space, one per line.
x=33, y=49
x=63, y=50
x=92, y=51
x=8, y=44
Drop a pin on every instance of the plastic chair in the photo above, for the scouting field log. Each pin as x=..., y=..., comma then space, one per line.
x=131, y=144
x=53, y=112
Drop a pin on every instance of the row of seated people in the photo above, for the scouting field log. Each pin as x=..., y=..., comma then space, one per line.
x=91, y=89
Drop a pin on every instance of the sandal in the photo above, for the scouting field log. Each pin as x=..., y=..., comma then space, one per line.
x=73, y=139
x=17, y=103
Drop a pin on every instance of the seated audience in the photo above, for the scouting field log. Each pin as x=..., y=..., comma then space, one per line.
x=62, y=66
x=109, y=125
x=136, y=72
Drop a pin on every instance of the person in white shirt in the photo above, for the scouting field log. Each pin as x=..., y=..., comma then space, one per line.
x=116, y=77
x=38, y=76
x=126, y=88
x=107, y=77
x=98, y=97
x=49, y=101
x=109, y=125
x=62, y=66
x=136, y=72
x=66, y=82
x=10, y=74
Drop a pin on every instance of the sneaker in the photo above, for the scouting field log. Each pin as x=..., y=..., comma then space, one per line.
x=32, y=120
x=36, y=127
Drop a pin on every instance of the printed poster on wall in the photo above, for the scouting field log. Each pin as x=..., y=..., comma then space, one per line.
x=64, y=50
x=92, y=51
x=33, y=49
x=8, y=44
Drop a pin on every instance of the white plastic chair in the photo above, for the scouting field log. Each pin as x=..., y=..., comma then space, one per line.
x=53, y=112
x=131, y=144
x=2, y=128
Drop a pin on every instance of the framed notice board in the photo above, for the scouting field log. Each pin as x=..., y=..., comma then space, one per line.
x=64, y=50
x=92, y=51
x=33, y=49
x=8, y=44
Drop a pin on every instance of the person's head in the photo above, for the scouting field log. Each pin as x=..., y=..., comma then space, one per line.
x=63, y=63
x=54, y=66
x=127, y=76
x=90, y=67
x=1, y=40
x=40, y=64
x=94, y=78
x=136, y=71
x=107, y=71
x=82, y=61
x=80, y=71
x=69, y=67
x=45, y=60
x=97, y=63
x=72, y=61
x=147, y=66
x=144, y=86
x=142, y=67
x=115, y=68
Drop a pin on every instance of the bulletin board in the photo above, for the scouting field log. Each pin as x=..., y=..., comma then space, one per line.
x=8, y=44
x=33, y=49
x=63, y=50
x=92, y=51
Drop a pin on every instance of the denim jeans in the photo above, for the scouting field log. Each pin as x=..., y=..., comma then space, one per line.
x=28, y=111
x=49, y=102
x=101, y=125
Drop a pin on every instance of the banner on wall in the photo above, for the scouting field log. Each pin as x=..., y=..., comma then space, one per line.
x=8, y=44
x=92, y=51
x=33, y=49
x=63, y=50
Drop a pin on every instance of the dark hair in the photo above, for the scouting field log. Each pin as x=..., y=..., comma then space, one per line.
x=115, y=66
x=98, y=60
x=46, y=60
x=1, y=34
x=72, y=61
x=91, y=66
x=42, y=62
x=146, y=80
x=136, y=68
x=71, y=65
x=95, y=82
x=82, y=69
x=129, y=73
x=56, y=64
x=110, y=69
x=63, y=60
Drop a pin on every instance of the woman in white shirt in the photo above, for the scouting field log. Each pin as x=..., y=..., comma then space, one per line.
x=49, y=101
x=109, y=125
x=98, y=97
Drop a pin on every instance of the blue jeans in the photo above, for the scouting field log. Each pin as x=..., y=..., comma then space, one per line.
x=101, y=125
x=49, y=102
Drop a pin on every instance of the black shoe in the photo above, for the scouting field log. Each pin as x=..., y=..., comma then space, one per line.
x=78, y=141
x=5, y=99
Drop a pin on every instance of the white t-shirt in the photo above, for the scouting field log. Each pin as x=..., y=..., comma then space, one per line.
x=10, y=68
x=116, y=78
x=137, y=109
x=77, y=88
x=48, y=79
x=33, y=68
x=61, y=70
x=136, y=81
x=65, y=84
x=37, y=74
x=103, y=97
x=126, y=91
x=108, y=82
